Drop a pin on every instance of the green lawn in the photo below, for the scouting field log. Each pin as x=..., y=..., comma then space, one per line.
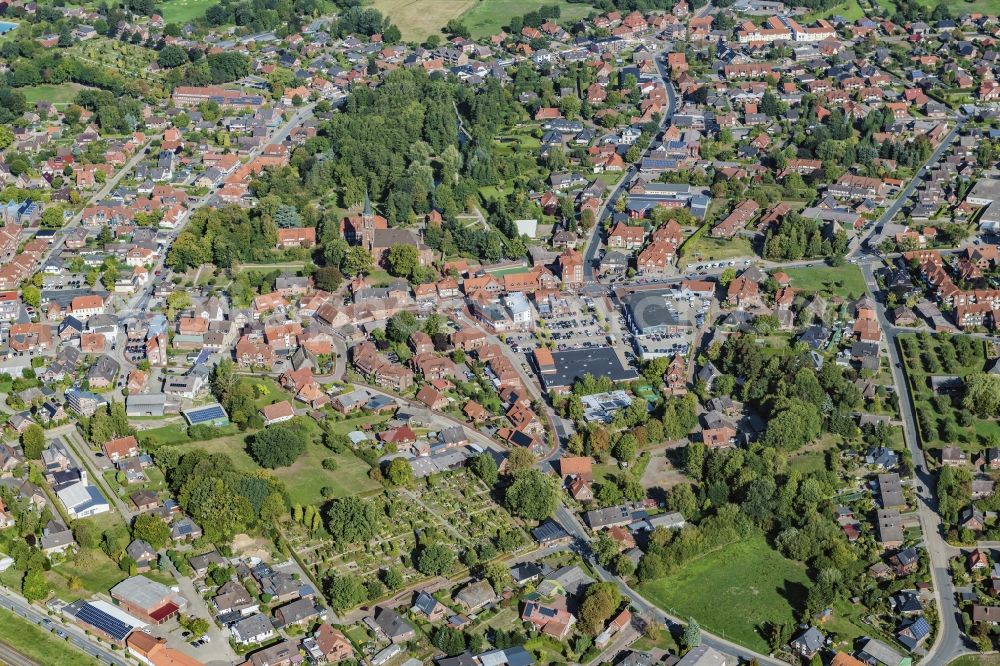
x=705, y=248
x=845, y=625
x=735, y=591
x=38, y=644
x=271, y=392
x=96, y=571
x=488, y=17
x=977, y=660
x=182, y=11
x=176, y=433
x=60, y=94
x=306, y=477
x=845, y=281
x=849, y=9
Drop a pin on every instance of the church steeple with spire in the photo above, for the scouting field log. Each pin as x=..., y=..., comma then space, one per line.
x=367, y=224
x=367, y=210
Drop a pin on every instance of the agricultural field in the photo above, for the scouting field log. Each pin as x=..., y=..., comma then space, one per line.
x=37, y=644
x=488, y=17
x=419, y=19
x=940, y=416
x=751, y=585
x=845, y=281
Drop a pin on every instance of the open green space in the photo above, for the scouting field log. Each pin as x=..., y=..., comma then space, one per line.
x=845, y=281
x=306, y=478
x=488, y=17
x=735, y=591
x=61, y=94
x=419, y=19
x=37, y=644
x=183, y=11
x=94, y=571
x=977, y=660
x=513, y=270
x=704, y=248
x=850, y=10
x=176, y=433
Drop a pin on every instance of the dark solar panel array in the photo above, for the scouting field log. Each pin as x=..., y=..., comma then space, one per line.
x=196, y=416
x=111, y=626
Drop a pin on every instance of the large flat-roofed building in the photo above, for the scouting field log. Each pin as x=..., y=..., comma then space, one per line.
x=984, y=192
x=568, y=366
x=148, y=600
x=649, y=314
x=107, y=621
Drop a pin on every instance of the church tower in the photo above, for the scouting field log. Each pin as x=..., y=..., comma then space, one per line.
x=367, y=224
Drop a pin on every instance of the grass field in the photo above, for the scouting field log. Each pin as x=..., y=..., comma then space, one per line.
x=306, y=477
x=704, y=248
x=487, y=17
x=977, y=660
x=182, y=11
x=38, y=644
x=845, y=281
x=418, y=19
x=176, y=433
x=96, y=571
x=735, y=591
x=850, y=10
x=61, y=94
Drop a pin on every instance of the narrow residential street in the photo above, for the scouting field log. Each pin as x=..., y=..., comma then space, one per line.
x=949, y=641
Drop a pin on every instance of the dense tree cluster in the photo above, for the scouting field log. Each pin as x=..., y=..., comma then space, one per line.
x=797, y=237
x=223, y=236
x=108, y=422
x=798, y=402
x=221, y=499
x=277, y=445
x=237, y=394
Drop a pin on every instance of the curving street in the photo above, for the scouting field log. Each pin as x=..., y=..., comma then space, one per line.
x=949, y=642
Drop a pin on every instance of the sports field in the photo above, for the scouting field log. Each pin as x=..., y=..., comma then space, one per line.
x=735, y=591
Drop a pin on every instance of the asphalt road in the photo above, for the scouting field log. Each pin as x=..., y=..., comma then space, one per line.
x=74, y=635
x=949, y=641
x=907, y=191
x=594, y=242
x=571, y=524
